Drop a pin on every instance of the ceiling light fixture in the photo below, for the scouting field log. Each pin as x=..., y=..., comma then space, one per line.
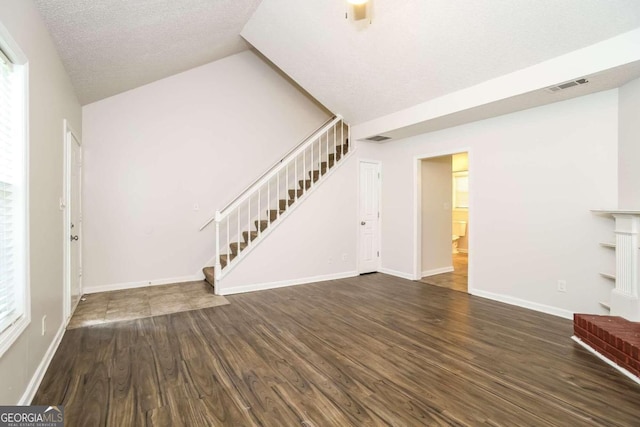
x=360, y=10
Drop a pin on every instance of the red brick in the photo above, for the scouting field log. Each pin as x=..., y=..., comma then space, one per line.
x=580, y=332
x=620, y=356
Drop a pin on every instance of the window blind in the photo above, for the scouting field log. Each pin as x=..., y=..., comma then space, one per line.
x=11, y=171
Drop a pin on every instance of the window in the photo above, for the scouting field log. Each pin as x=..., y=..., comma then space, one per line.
x=461, y=190
x=14, y=304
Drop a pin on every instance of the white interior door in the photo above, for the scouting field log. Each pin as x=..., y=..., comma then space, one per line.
x=74, y=236
x=369, y=207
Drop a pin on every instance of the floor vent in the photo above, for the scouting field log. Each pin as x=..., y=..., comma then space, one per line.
x=567, y=85
x=377, y=138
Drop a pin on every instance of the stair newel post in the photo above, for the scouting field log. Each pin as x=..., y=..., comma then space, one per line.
x=218, y=266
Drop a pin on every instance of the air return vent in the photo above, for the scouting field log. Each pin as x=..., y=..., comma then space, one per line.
x=377, y=138
x=567, y=85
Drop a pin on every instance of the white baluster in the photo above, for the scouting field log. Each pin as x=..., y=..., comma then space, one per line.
x=259, y=207
x=228, y=241
x=239, y=234
x=335, y=151
x=278, y=194
x=249, y=222
x=218, y=267
x=268, y=202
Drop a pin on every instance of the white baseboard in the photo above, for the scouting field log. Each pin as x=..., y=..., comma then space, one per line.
x=142, y=284
x=38, y=375
x=555, y=311
x=396, y=273
x=606, y=360
x=435, y=271
x=284, y=283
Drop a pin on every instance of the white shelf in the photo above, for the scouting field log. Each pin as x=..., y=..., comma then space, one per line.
x=615, y=211
x=608, y=276
x=608, y=245
x=605, y=305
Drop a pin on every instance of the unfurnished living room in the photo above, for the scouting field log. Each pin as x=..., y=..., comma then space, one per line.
x=320, y=213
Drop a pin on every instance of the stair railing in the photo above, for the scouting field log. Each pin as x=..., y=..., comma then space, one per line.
x=303, y=165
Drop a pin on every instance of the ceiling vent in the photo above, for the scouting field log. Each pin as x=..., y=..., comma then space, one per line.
x=567, y=85
x=377, y=138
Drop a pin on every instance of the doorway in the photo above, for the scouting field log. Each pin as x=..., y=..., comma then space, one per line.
x=369, y=217
x=72, y=205
x=443, y=220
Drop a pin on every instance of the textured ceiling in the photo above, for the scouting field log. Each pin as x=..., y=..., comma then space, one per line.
x=109, y=46
x=418, y=50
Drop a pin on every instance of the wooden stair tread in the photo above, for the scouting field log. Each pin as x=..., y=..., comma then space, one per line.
x=209, y=276
x=234, y=247
x=246, y=234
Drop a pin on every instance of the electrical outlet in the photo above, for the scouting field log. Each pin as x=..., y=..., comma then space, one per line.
x=344, y=257
x=562, y=286
x=44, y=324
x=196, y=207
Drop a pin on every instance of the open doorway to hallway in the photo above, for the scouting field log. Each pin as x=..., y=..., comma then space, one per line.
x=445, y=221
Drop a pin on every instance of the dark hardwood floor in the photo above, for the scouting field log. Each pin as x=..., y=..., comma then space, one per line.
x=372, y=350
x=457, y=280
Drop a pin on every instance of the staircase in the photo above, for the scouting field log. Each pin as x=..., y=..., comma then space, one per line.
x=253, y=214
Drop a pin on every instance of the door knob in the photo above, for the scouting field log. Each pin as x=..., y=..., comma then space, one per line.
x=363, y=222
x=74, y=238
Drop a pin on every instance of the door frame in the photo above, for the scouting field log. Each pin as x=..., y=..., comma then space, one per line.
x=378, y=163
x=417, y=212
x=68, y=135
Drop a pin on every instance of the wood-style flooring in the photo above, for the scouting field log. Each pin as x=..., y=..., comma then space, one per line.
x=456, y=280
x=372, y=350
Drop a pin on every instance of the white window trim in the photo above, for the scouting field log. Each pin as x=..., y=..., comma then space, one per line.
x=17, y=57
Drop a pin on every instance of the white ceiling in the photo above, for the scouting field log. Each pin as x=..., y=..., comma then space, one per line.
x=418, y=50
x=110, y=46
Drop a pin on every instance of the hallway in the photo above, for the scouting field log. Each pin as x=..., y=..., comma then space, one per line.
x=457, y=280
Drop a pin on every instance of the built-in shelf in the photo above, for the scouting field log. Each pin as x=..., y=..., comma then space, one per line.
x=624, y=301
x=605, y=305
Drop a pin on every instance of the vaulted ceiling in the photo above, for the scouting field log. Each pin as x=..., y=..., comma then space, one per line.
x=411, y=51
x=414, y=51
x=110, y=46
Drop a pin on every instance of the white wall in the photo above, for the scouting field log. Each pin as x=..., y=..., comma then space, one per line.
x=436, y=215
x=310, y=244
x=536, y=175
x=629, y=147
x=51, y=99
x=151, y=154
